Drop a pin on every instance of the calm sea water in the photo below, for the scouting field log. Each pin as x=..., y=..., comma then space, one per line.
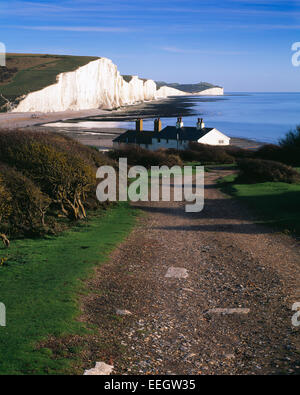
x=258, y=116
x=262, y=117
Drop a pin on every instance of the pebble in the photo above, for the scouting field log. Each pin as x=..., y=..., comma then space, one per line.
x=101, y=369
x=228, y=311
x=176, y=272
x=123, y=312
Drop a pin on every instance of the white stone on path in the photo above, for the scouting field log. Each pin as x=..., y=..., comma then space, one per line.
x=101, y=369
x=229, y=311
x=176, y=272
x=123, y=312
x=188, y=290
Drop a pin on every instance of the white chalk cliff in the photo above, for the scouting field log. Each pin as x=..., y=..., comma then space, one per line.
x=97, y=85
x=211, y=92
x=166, y=91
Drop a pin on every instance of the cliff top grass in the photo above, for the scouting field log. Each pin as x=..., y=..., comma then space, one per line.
x=32, y=72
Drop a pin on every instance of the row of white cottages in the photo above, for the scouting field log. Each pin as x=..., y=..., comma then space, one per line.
x=177, y=137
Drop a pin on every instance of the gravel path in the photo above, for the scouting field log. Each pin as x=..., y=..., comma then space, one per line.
x=230, y=262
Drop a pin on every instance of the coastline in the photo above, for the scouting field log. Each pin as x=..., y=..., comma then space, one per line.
x=10, y=120
x=101, y=137
x=162, y=107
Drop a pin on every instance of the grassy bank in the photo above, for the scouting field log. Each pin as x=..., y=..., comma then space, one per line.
x=275, y=203
x=40, y=286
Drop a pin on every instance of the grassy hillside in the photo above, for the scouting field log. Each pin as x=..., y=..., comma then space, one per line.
x=25, y=73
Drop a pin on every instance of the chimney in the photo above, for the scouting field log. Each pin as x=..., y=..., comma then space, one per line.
x=179, y=123
x=157, y=125
x=200, y=124
x=139, y=125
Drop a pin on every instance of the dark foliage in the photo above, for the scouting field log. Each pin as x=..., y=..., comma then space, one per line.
x=7, y=73
x=139, y=156
x=22, y=204
x=269, y=152
x=257, y=170
x=43, y=177
x=292, y=139
x=206, y=154
x=238, y=153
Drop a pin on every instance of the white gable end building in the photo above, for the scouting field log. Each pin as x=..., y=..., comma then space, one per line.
x=176, y=137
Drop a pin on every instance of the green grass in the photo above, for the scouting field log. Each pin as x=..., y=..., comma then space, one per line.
x=274, y=203
x=36, y=77
x=209, y=168
x=41, y=284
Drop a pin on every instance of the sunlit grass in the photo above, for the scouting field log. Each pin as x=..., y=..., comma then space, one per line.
x=40, y=286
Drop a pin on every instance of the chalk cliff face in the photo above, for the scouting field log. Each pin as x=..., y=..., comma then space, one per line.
x=95, y=85
x=211, y=92
x=166, y=91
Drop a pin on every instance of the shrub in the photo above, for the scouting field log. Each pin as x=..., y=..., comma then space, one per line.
x=269, y=152
x=22, y=204
x=292, y=139
x=210, y=154
x=290, y=155
x=288, y=151
x=5, y=205
x=238, y=153
x=66, y=176
x=139, y=156
x=90, y=155
x=257, y=170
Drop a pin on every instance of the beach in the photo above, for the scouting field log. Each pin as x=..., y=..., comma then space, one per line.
x=98, y=128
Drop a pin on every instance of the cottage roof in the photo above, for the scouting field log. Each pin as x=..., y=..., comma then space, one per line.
x=168, y=133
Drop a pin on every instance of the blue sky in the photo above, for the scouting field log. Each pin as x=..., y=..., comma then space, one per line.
x=243, y=45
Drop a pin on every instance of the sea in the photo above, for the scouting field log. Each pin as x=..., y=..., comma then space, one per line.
x=264, y=117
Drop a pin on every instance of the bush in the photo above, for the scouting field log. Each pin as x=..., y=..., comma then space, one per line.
x=90, y=155
x=22, y=204
x=44, y=176
x=269, y=152
x=292, y=139
x=238, y=153
x=290, y=155
x=287, y=152
x=208, y=154
x=55, y=164
x=139, y=156
x=257, y=170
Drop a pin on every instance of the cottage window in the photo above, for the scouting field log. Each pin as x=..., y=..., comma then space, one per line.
x=221, y=141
